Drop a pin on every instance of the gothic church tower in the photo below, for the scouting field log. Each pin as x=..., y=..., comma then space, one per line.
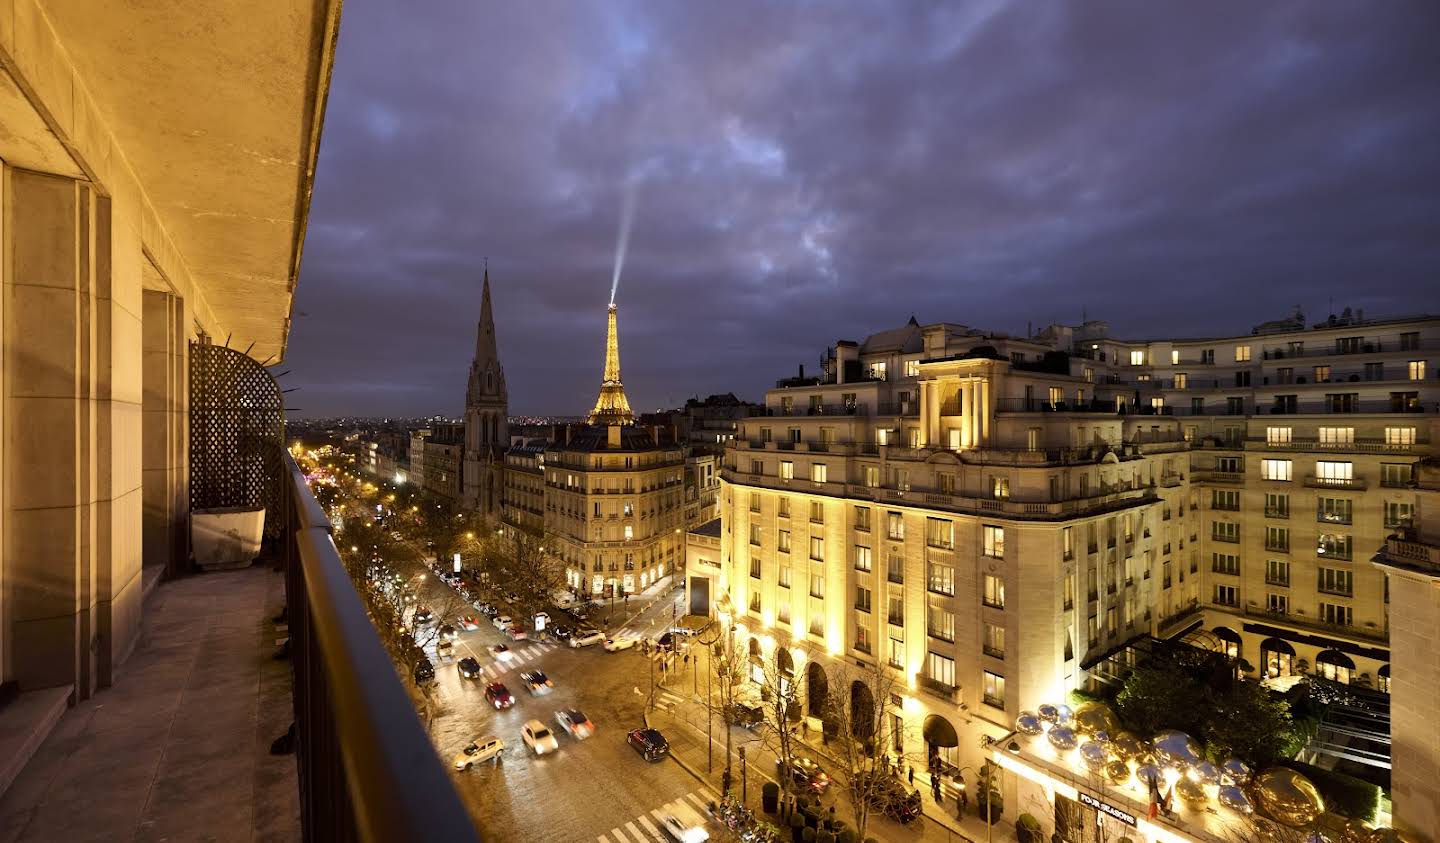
x=487, y=433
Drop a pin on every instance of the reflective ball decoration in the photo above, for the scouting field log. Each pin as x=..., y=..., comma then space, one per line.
x=1235, y=771
x=1029, y=724
x=1126, y=746
x=1390, y=835
x=1205, y=773
x=1092, y=717
x=1232, y=797
x=1094, y=754
x=1064, y=715
x=1118, y=771
x=1063, y=738
x=1191, y=792
x=1288, y=797
x=1049, y=713
x=1176, y=749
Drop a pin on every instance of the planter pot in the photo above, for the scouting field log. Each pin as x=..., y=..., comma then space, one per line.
x=226, y=537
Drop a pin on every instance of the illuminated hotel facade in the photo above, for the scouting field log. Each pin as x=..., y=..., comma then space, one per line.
x=995, y=516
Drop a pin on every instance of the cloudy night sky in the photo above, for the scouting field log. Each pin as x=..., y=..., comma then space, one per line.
x=805, y=172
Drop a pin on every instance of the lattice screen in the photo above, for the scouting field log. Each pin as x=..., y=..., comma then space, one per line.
x=237, y=433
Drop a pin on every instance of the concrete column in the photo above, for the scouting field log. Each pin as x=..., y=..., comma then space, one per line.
x=967, y=408
x=927, y=409
x=163, y=352
x=984, y=412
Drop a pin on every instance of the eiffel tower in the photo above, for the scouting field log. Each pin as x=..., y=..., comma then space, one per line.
x=612, y=407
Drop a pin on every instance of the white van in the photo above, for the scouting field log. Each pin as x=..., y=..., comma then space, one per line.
x=488, y=748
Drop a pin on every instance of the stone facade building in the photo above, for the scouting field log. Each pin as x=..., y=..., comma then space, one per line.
x=993, y=516
x=444, y=460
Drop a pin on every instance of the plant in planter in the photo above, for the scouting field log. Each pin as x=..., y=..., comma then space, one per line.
x=1027, y=829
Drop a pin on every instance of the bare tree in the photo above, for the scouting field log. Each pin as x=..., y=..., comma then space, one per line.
x=860, y=703
x=515, y=560
x=727, y=672
x=780, y=706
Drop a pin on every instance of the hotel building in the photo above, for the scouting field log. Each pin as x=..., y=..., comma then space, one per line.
x=995, y=517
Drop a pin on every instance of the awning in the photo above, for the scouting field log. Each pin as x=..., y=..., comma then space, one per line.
x=939, y=732
x=1383, y=671
x=1336, y=658
x=1225, y=633
x=1275, y=645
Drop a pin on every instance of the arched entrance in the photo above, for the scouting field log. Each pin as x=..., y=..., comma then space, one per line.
x=1382, y=678
x=817, y=688
x=1335, y=666
x=1277, y=658
x=785, y=667
x=1229, y=641
x=862, y=712
x=940, y=740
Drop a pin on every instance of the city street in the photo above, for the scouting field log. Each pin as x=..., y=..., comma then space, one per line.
x=596, y=789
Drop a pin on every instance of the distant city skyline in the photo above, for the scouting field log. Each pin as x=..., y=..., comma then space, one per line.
x=1174, y=170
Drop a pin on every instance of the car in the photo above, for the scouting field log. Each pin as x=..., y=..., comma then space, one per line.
x=806, y=773
x=498, y=695
x=574, y=721
x=469, y=668
x=586, y=637
x=651, y=745
x=560, y=633
x=682, y=831
x=424, y=671
x=444, y=649
x=422, y=616
x=448, y=632
x=502, y=621
x=539, y=738
x=486, y=609
x=469, y=623
x=488, y=748
x=511, y=597
x=890, y=796
x=619, y=642
x=501, y=652
x=669, y=641
x=517, y=633
x=537, y=682
x=745, y=714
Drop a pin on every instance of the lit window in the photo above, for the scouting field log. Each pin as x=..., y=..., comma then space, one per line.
x=994, y=643
x=895, y=526
x=940, y=532
x=629, y=532
x=862, y=558
x=1175, y=358
x=1337, y=436
x=818, y=472
x=912, y=368
x=1278, y=436
x=994, y=690
x=994, y=592
x=1242, y=354
x=993, y=541
x=1417, y=370
x=1334, y=473
x=1275, y=469
x=1400, y=436
x=1137, y=358
x=877, y=371
x=787, y=470
x=1182, y=380
x=817, y=548
x=872, y=476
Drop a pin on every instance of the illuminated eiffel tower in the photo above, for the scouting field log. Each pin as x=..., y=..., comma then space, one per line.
x=612, y=407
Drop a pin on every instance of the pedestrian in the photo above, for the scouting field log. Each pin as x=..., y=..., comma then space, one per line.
x=935, y=788
x=910, y=774
x=962, y=802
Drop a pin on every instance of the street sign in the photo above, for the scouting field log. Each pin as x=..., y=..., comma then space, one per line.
x=457, y=563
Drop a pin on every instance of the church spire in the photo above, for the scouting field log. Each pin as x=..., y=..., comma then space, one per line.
x=612, y=407
x=487, y=378
x=485, y=333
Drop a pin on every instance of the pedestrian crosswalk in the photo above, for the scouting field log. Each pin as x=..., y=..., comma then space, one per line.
x=668, y=700
x=691, y=809
x=519, y=655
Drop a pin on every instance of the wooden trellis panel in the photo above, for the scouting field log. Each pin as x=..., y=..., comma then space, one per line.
x=237, y=433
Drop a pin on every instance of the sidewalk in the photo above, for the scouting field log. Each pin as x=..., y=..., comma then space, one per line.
x=637, y=604
x=682, y=718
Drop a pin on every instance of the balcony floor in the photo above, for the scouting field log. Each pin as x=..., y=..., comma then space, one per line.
x=179, y=748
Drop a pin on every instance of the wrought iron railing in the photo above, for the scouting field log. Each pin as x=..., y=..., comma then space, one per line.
x=367, y=769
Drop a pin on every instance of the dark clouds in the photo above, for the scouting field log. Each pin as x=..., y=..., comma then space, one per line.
x=811, y=171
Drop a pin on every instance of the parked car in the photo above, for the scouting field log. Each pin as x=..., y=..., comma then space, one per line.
x=424, y=671
x=651, y=745
x=537, y=682
x=560, y=633
x=517, y=633
x=892, y=797
x=501, y=652
x=574, y=721
x=468, y=668
x=667, y=641
x=619, y=642
x=586, y=637
x=498, y=695
x=745, y=714
x=805, y=773
x=539, y=738
x=486, y=609
x=488, y=748
x=682, y=831
x=502, y=621
x=444, y=649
